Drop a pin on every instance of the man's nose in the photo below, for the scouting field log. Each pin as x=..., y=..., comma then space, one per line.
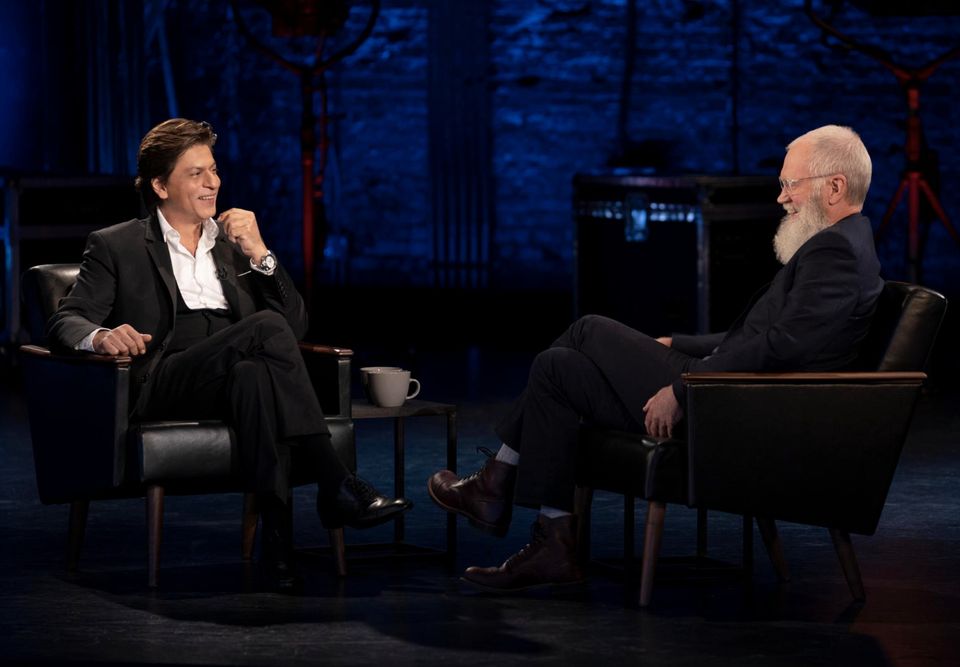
x=784, y=196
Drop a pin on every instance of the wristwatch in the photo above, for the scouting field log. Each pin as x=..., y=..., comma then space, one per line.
x=268, y=262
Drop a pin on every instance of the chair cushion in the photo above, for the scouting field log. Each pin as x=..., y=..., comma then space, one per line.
x=632, y=464
x=181, y=451
x=183, y=455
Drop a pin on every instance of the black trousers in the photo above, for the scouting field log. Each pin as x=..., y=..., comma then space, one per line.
x=250, y=374
x=599, y=371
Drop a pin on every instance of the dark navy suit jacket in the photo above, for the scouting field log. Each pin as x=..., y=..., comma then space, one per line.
x=811, y=317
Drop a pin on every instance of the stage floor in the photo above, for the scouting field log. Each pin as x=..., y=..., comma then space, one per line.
x=210, y=610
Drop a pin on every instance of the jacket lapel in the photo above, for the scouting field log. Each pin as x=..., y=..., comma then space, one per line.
x=160, y=255
x=223, y=256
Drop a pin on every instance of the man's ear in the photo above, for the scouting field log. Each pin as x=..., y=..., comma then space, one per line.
x=837, y=188
x=159, y=187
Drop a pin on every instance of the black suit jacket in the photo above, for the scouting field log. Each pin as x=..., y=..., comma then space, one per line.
x=126, y=277
x=812, y=316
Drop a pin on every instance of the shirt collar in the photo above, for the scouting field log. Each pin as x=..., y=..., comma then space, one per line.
x=207, y=237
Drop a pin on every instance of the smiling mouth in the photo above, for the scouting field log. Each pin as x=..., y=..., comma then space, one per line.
x=207, y=197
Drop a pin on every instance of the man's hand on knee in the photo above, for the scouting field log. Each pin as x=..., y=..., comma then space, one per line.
x=123, y=340
x=661, y=413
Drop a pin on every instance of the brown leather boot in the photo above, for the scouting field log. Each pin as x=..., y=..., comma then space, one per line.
x=485, y=497
x=549, y=559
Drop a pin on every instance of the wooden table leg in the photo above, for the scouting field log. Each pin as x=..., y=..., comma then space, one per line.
x=398, y=476
x=452, y=466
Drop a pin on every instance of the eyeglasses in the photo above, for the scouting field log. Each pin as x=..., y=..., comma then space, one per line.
x=789, y=184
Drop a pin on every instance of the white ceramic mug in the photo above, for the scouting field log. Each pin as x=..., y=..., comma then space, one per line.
x=389, y=388
x=365, y=377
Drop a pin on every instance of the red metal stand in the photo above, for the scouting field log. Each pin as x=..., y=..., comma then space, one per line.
x=312, y=79
x=913, y=181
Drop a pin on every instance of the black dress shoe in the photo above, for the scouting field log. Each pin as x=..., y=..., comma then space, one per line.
x=280, y=575
x=276, y=551
x=359, y=505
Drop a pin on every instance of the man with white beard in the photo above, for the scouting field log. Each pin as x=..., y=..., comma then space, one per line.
x=812, y=316
x=807, y=211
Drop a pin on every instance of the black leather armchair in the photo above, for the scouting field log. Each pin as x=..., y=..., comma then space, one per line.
x=811, y=448
x=85, y=448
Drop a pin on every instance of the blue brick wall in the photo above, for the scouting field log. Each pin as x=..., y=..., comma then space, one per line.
x=381, y=189
x=718, y=86
x=555, y=84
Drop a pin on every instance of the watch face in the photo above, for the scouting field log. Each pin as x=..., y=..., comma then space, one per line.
x=268, y=262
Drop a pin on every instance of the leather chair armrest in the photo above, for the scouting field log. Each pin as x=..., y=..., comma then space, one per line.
x=812, y=448
x=802, y=378
x=78, y=407
x=329, y=369
x=316, y=348
x=75, y=357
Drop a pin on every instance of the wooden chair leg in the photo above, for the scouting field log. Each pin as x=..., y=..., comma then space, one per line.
x=79, y=509
x=582, y=502
x=774, y=547
x=248, y=532
x=154, y=533
x=337, y=548
x=651, y=548
x=848, y=561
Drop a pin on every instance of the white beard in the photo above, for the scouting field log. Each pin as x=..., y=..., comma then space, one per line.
x=796, y=230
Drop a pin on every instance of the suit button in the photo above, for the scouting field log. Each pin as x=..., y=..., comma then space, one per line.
x=146, y=376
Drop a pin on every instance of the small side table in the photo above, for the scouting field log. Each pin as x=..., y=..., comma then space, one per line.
x=414, y=408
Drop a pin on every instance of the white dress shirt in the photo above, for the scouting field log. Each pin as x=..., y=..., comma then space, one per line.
x=196, y=274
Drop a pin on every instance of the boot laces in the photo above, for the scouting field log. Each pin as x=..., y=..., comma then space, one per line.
x=537, y=537
x=490, y=455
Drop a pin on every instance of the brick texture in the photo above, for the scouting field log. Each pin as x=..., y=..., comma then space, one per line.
x=717, y=87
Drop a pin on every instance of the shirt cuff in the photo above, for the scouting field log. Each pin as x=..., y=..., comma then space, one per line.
x=86, y=345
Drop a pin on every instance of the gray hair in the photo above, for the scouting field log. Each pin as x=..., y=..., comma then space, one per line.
x=839, y=150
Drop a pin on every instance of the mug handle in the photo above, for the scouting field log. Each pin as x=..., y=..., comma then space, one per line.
x=415, y=391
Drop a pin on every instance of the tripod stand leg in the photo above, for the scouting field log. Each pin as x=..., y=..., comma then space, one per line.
x=894, y=202
x=913, y=228
x=938, y=209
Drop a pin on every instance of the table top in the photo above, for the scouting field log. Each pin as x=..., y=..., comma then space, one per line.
x=363, y=409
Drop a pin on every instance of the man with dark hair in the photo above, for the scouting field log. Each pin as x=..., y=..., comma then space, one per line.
x=212, y=321
x=812, y=316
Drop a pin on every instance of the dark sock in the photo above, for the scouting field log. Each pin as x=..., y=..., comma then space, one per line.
x=316, y=453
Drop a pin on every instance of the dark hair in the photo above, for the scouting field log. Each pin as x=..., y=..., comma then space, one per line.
x=162, y=147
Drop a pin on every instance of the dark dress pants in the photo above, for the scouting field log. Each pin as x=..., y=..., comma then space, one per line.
x=600, y=372
x=251, y=375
